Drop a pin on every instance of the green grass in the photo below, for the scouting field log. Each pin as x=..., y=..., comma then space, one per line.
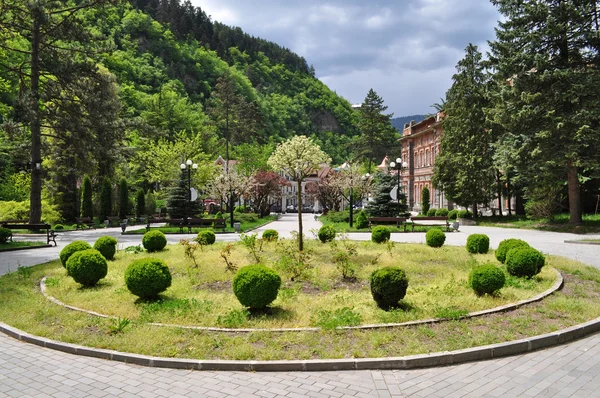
x=560, y=223
x=12, y=245
x=244, y=227
x=345, y=226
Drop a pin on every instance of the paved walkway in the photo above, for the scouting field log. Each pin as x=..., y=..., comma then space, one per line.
x=567, y=371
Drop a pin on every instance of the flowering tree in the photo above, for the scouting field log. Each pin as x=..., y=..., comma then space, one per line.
x=326, y=191
x=230, y=186
x=266, y=191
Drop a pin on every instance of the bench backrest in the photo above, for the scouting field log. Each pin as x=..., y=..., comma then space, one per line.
x=83, y=219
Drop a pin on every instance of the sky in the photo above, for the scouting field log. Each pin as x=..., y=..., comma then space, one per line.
x=406, y=50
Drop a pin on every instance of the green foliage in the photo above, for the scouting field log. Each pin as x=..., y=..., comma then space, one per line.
x=20, y=211
x=380, y=234
x=147, y=277
x=87, y=206
x=464, y=214
x=270, y=235
x=107, y=246
x=326, y=233
x=219, y=215
x=58, y=227
x=68, y=250
x=151, y=204
x=87, y=267
x=344, y=252
x=253, y=245
x=506, y=245
x=425, y=201
x=431, y=212
x=15, y=186
x=256, y=286
x=382, y=204
x=524, y=261
x=105, y=199
x=452, y=214
x=5, y=233
x=118, y=325
x=234, y=318
x=207, y=237
x=478, y=243
x=330, y=320
x=154, y=241
x=435, y=237
x=486, y=279
x=361, y=220
x=293, y=262
x=123, y=199
x=388, y=286
x=443, y=212
x=140, y=203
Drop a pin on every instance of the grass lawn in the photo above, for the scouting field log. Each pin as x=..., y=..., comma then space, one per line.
x=591, y=223
x=321, y=297
x=12, y=245
x=344, y=226
x=245, y=225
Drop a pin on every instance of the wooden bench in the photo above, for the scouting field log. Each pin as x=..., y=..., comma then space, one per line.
x=155, y=220
x=205, y=223
x=50, y=234
x=431, y=221
x=85, y=222
x=398, y=221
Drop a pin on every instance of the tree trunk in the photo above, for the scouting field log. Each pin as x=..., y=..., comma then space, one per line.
x=509, y=196
x=574, y=195
x=300, y=236
x=231, y=197
x=499, y=187
x=35, y=197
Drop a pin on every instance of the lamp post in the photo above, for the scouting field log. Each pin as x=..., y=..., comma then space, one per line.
x=398, y=165
x=189, y=165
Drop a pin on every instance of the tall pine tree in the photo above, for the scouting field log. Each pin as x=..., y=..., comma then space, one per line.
x=382, y=204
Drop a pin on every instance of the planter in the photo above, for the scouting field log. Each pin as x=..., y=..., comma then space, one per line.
x=466, y=221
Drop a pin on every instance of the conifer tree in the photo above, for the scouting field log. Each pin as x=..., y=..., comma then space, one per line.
x=140, y=203
x=382, y=204
x=123, y=199
x=87, y=206
x=178, y=204
x=106, y=202
x=425, y=204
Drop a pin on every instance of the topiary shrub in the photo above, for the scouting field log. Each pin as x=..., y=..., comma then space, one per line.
x=206, y=237
x=431, y=212
x=441, y=212
x=326, y=233
x=524, y=261
x=388, y=286
x=147, y=277
x=87, y=267
x=256, y=286
x=362, y=221
x=58, y=227
x=154, y=241
x=452, y=214
x=435, y=238
x=380, y=234
x=5, y=233
x=464, y=214
x=68, y=250
x=486, y=279
x=270, y=235
x=506, y=245
x=478, y=243
x=107, y=246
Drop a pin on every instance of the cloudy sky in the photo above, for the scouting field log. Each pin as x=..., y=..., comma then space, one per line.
x=406, y=50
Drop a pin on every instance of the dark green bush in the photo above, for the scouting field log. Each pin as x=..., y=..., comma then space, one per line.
x=441, y=212
x=464, y=214
x=206, y=237
x=361, y=221
x=5, y=233
x=58, y=227
x=147, y=277
x=506, y=245
x=435, y=238
x=87, y=267
x=380, y=234
x=326, y=233
x=154, y=241
x=524, y=261
x=478, y=243
x=388, y=286
x=486, y=279
x=270, y=235
x=431, y=212
x=68, y=250
x=107, y=246
x=452, y=214
x=256, y=286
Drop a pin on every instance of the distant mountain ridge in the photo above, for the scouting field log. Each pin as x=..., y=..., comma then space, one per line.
x=398, y=122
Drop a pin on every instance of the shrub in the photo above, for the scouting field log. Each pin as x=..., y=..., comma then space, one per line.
x=154, y=241
x=206, y=237
x=219, y=214
x=147, y=277
x=524, y=261
x=140, y=203
x=361, y=221
x=87, y=204
x=150, y=203
x=326, y=233
x=507, y=245
x=338, y=216
x=431, y=212
x=5, y=233
x=452, y=214
x=435, y=238
x=107, y=246
x=380, y=234
x=425, y=204
x=123, y=199
x=486, y=279
x=58, y=227
x=256, y=286
x=388, y=286
x=478, y=243
x=464, y=214
x=441, y=212
x=68, y=250
x=270, y=235
x=87, y=267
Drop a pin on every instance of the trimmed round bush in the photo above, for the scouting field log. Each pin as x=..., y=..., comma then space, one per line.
x=441, y=212
x=68, y=250
x=452, y=214
x=58, y=227
x=388, y=286
x=464, y=214
x=435, y=238
x=506, y=245
x=362, y=221
x=256, y=286
x=154, y=241
x=326, y=233
x=206, y=236
x=380, y=234
x=478, y=243
x=5, y=233
x=270, y=235
x=87, y=267
x=107, y=246
x=524, y=261
x=431, y=212
x=147, y=277
x=486, y=279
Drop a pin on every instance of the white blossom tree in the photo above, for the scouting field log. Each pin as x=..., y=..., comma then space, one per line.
x=230, y=186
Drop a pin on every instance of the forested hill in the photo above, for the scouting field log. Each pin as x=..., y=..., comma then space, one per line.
x=399, y=122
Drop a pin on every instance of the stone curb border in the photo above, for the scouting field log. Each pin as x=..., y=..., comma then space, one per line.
x=504, y=308
x=14, y=249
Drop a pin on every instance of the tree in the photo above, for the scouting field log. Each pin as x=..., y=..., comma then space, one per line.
x=549, y=53
x=352, y=185
x=464, y=168
x=231, y=186
x=123, y=199
x=377, y=135
x=382, y=204
x=140, y=204
x=425, y=200
x=87, y=206
x=178, y=203
x=106, y=202
x=266, y=191
x=298, y=157
x=327, y=191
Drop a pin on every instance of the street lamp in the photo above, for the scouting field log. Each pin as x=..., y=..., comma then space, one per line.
x=189, y=165
x=398, y=165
